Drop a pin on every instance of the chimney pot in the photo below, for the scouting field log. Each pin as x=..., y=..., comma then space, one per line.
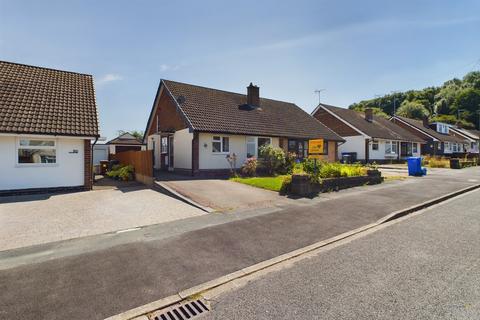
x=369, y=114
x=253, y=95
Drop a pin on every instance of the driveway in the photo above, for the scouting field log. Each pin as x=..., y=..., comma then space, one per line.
x=36, y=219
x=222, y=194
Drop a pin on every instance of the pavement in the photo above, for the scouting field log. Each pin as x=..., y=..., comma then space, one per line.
x=221, y=194
x=424, y=267
x=37, y=219
x=134, y=268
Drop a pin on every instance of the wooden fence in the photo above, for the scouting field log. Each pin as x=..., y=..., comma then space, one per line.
x=142, y=162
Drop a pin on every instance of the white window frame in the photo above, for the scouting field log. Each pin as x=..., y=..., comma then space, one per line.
x=221, y=144
x=393, y=145
x=163, y=147
x=19, y=147
x=374, y=145
x=256, y=143
x=414, y=147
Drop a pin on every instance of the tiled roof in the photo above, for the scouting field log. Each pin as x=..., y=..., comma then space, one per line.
x=378, y=128
x=429, y=131
x=472, y=134
x=36, y=100
x=126, y=138
x=212, y=110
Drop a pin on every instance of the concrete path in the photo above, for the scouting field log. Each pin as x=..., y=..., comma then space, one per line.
x=425, y=267
x=37, y=219
x=102, y=283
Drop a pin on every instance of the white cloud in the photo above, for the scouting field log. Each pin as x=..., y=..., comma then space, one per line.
x=109, y=77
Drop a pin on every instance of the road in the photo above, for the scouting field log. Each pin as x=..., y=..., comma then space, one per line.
x=424, y=267
x=100, y=276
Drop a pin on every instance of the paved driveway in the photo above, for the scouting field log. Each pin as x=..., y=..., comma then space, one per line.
x=36, y=219
x=222, y=194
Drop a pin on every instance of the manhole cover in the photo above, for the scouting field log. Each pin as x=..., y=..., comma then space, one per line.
x=182, y=311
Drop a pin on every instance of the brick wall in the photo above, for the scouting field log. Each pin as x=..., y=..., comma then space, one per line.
x=169, y=118
x=334, y=124
x=87, y=170
x=195, y=153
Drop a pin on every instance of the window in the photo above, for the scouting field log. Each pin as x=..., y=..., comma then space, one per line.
x=439, y=145
x=375, y=145
x=251, y=147
x=32, y=151
x=447, y=145
x=254, y=144
x=262, y=142
x=164, y=145
x=220, y=144
x=415, y=147
x=390, y=147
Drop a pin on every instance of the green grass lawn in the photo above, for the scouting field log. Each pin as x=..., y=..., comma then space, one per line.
x=269, y=183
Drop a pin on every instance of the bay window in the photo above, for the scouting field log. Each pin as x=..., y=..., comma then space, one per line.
x=36, y=151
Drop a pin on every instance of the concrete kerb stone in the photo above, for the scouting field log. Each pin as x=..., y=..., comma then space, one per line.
x=232, y=277
x=162, y=187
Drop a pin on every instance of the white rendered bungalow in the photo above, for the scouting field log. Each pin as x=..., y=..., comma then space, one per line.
x=368, y=137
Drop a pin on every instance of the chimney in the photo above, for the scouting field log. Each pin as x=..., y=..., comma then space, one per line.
x=426, y=123
x=369, y=114
x=253, y=95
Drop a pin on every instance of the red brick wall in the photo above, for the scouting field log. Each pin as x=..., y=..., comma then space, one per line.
x=195, y=153
x=333, y=123
x=412, y=130
x=169, y=118
x=87, y=170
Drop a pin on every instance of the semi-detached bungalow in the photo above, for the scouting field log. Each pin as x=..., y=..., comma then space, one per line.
x=192, y=129
x=472, y=136
x=439, y=141
x=47, y=121
x=368, y=137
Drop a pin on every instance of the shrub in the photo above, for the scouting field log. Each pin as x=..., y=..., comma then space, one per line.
x=273, y=159
x=324, y=170
x=249, y=167
x=124, y=173
x=286, y=185
x=290, y=162
x=436, y=162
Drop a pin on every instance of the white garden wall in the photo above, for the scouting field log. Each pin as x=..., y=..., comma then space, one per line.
x=67, y=172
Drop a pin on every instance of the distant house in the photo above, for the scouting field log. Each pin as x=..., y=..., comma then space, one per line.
x=47, y=121
x=472, y=136
x=125, y=142
x=193, y=129
x=439, y=140
x=368, y=137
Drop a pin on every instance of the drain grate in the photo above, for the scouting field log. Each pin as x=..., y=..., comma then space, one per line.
x=182, y=311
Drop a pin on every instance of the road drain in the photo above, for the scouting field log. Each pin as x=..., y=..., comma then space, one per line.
x=182, y=311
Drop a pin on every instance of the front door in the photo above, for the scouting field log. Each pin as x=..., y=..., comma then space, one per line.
x=299, y=147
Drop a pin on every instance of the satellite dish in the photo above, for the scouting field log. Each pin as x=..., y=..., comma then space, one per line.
x=180, y=99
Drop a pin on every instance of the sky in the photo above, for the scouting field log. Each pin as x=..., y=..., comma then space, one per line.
x=354, y=50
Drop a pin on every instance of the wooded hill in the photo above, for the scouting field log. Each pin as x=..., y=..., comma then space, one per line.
x=457, y=100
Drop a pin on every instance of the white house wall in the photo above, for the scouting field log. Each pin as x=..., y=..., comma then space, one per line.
x=238, y=145
x=67, y=172
x=152, y=140
x=353, y=144
x=182, y=149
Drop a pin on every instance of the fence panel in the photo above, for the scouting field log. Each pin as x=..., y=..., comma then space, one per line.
x=142, y=162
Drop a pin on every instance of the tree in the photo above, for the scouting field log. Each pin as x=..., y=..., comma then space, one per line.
x=412, y=109
x=136, y=133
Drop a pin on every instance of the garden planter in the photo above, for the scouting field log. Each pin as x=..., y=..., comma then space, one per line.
x=302, y=186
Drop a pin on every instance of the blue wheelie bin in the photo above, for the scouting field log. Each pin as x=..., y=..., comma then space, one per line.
x=414, y=166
